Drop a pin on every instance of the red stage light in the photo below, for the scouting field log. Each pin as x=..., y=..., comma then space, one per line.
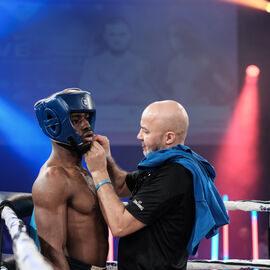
x=237, y=162
x=252, y=71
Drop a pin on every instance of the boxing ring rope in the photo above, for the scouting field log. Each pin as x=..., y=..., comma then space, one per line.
x=253, y=205
x=24, y=248
x=228, y=264
x=29, y=258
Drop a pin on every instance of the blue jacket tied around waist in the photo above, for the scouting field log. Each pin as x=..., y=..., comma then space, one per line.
x=210, y=210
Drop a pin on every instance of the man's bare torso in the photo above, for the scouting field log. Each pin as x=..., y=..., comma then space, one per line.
x=81, y=227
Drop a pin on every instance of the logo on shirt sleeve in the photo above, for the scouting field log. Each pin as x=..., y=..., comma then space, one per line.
x=139, y=204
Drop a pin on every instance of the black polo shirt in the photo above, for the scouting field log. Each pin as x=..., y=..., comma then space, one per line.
x=164, y=200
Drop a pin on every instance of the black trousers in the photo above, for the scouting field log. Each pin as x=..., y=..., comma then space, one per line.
x=77, y=265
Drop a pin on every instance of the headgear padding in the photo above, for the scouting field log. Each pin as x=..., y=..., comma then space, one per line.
x=53, y=114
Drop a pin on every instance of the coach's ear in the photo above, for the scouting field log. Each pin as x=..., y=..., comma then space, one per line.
x=170, y=138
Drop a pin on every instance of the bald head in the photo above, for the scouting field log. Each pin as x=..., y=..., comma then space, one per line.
x=163, y=124
x=170, y=116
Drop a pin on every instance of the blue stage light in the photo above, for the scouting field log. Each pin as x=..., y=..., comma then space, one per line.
x=215, y=247
x=14, y=14
x=23, y=135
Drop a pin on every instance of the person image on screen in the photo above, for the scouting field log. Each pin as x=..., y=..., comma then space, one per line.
x=116, y=72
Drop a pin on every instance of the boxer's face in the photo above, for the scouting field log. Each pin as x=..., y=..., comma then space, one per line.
x=81, y=123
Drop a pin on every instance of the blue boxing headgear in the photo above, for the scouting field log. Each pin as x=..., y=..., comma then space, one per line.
x=53, y=114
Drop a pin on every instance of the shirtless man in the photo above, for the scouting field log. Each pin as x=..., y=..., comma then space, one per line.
x=71, y=229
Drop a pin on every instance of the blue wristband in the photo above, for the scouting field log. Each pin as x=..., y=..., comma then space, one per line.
x=102, y=183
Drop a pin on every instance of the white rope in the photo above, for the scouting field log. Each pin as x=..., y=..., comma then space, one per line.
x=260, y=206
x=228, y=264
x=25, y=251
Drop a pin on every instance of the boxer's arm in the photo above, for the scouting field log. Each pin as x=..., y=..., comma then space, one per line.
x=50, y=194
x=116, y=174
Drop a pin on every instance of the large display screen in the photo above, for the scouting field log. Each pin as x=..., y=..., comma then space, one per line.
x=128, y=54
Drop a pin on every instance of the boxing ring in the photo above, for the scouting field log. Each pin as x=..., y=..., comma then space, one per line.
x=28, y=257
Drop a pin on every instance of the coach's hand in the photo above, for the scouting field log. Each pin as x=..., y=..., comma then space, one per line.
x=95, y=160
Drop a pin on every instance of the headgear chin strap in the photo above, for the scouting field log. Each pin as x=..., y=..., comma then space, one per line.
x=53, y=114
